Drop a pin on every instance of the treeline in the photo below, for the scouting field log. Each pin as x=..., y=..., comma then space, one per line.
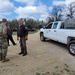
x=57, y=13
x=30, y=23
x=61, y=12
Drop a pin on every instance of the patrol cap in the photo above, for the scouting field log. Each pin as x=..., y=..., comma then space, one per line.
x=4, y=20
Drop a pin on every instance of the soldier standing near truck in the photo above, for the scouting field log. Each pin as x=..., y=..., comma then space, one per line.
x=3, y=41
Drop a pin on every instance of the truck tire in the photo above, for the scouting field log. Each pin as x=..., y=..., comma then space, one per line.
x=42, y=38
x=71, y=47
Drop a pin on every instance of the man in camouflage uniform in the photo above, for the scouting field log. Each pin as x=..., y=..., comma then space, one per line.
x=3, y=41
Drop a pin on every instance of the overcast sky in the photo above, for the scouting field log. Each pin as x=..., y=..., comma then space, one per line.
x=36, y=9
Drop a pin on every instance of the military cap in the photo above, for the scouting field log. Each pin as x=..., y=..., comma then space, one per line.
x=4, y=20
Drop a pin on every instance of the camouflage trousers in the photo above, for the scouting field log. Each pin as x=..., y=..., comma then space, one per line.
x=3, y=49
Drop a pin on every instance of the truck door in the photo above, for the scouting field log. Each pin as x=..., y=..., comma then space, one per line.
x=53, y=32
x=48, y=30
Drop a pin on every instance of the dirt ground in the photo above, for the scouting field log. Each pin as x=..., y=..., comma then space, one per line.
x=44, y=58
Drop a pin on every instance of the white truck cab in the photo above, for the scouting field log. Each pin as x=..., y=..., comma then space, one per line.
x=57, y=31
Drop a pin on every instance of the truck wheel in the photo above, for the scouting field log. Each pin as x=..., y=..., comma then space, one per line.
x=42, y=38
x=71, y=48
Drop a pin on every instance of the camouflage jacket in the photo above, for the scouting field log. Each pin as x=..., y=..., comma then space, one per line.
x=3, y=31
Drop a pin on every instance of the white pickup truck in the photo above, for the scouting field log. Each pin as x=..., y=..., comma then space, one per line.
x=57, y=31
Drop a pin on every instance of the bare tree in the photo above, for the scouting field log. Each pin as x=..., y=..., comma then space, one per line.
x=56, y=12
x=50, y=18
x=71, y=9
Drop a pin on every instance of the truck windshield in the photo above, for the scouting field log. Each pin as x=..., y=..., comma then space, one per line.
x=49, y=26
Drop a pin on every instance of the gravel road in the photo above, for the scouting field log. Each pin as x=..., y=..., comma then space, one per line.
x=44, y=58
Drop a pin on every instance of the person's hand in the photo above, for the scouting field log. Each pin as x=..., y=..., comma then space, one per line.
x=26, y=37
x=18, y=38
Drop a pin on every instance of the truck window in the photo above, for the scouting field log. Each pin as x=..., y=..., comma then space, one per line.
x=49, y=26
x=55, y=26
x=62, y=25
x=68, y=26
